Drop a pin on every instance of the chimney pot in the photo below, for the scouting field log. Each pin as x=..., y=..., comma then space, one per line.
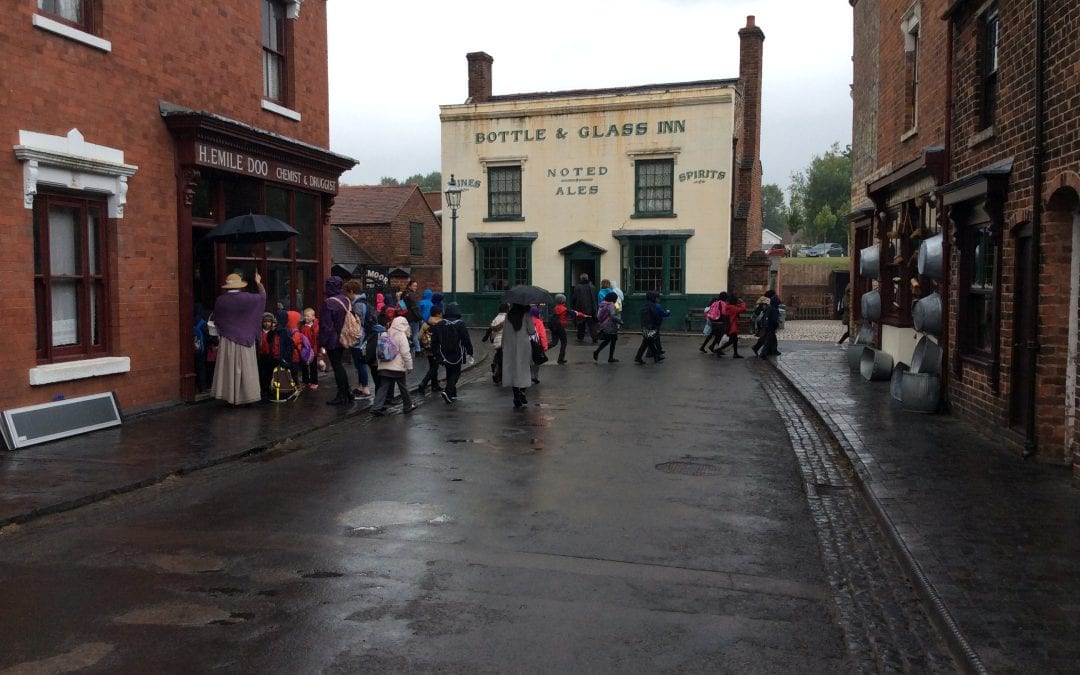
x=479, y=76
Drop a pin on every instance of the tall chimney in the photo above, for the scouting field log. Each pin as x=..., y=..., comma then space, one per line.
x=749, y=268
x=479, y=76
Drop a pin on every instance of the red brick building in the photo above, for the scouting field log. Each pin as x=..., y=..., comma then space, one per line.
x=395, y=225
x=125, y=153
x=1003, y=185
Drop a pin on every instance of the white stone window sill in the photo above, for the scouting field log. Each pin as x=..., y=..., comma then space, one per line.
x=910, y=133
x=51, y=373
x=71, y=33
x=280, y=110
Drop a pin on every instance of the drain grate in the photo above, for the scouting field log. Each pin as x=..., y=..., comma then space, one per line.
x=690, y=468
x=825, y=489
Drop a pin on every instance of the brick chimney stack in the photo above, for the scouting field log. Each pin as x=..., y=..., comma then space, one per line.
x=479, y=76
x=749, y=269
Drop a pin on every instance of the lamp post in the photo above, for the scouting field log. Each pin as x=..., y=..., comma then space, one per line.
x=453, y=200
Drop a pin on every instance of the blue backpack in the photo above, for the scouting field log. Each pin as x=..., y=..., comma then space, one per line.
x=385, y=348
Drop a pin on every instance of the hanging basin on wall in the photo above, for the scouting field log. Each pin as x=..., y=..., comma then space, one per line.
x=927, y=357
x=869, y=262
x=897, y=378
x=854, y=357
x=871, y=305
x=932, y=257
x=864, y=335
x=926, y=315
x=875, y=365
x=920, y=392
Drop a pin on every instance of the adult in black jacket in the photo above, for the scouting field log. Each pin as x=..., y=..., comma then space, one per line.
x=585, y=302
x=450, y=343
x=766, y=346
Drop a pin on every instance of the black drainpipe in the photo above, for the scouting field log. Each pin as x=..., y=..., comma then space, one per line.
x=1030, y=439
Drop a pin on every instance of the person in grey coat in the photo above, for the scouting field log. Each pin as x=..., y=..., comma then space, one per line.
x=517, y=352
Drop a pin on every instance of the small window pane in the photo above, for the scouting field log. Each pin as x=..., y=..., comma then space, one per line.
x=71, y=10
x=65, y=313
x=674, y=269
x=648, y=266
x=305, y=225
x=416, y=239
x=521, y=265
x=277, y=205
x=64, y=244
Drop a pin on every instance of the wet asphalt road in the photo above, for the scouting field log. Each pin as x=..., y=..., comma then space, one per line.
x=572, y=536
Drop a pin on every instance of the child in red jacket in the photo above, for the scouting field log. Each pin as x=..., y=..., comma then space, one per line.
x=309, y=328
x=735, y=307
x=561, y=315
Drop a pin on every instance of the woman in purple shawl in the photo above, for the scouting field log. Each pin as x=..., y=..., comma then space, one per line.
x=238, y=317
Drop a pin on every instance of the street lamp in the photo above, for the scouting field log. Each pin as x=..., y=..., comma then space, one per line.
x=453, y=200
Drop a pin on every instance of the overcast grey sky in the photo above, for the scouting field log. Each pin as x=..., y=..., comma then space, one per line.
x=393, y=63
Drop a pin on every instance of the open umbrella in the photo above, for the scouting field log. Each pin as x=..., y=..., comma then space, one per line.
x=252, y=229
x=527, y=295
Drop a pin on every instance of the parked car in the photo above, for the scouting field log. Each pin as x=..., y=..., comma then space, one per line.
x=823, y=250
x=776, y=249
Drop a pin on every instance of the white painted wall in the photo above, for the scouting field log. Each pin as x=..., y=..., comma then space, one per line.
x=557, y=159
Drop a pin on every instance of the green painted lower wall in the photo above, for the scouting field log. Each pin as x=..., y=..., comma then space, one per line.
x=479, y=308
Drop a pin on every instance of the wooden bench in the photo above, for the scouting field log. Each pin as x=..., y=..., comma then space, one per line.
x=695, y=317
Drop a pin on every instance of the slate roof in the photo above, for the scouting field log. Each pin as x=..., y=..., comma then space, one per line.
x=370, y=204
x=345, y=251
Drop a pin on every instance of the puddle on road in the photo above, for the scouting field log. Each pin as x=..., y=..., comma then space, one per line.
x=187, y=563
x=382, y=514
x=84, y=656
x=175, y=615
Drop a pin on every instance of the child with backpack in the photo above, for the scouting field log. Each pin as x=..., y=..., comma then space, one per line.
x=495, y=334
x=451, y=345
x=394, y=354
x=541, y=338
x=610, y=319
x=735, y=307
x=358, y=352
x=717, y=317
x=427, y=329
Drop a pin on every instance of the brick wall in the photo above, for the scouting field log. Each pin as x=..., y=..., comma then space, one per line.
x=206, y=56
x=866, y=24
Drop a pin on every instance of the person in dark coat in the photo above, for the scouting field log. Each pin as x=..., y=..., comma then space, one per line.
x=450, y=343
x=585, y=302
x=517, y=335
x=772, y=324
x=651, y=316
x=331, y=319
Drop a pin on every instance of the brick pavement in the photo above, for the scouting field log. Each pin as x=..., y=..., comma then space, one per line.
x=992, y=539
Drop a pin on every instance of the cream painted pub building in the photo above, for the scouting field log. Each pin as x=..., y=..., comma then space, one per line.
x=651, y=187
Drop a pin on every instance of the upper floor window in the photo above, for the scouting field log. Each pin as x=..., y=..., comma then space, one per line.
x=504, y=192
x=910, y=28
x=989, y=51
x=70, y=276
x=78, y=13
x=275, y=51
x=654, y=187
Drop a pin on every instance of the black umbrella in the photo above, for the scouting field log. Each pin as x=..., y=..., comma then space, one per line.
x=527, y=295
x=252, y=229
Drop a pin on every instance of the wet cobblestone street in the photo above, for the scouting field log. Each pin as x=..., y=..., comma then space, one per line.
x=886, y=628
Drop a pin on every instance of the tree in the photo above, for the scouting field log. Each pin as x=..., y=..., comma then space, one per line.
x=773, y=209
x=823, y=189
x=431, y=182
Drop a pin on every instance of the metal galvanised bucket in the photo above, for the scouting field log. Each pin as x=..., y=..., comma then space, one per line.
x=926, y=314
x=864, y=335
x=875, y=365
x=920, y=392
x=932, y=257
x=897, y=378
x=854, y=357
x=871, y=305
x=926, y=358
x=869, y=262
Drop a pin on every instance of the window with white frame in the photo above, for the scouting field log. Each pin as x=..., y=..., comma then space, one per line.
x=275, y=51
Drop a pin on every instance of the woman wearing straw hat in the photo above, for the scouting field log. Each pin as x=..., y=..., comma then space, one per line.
x=238, y=317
